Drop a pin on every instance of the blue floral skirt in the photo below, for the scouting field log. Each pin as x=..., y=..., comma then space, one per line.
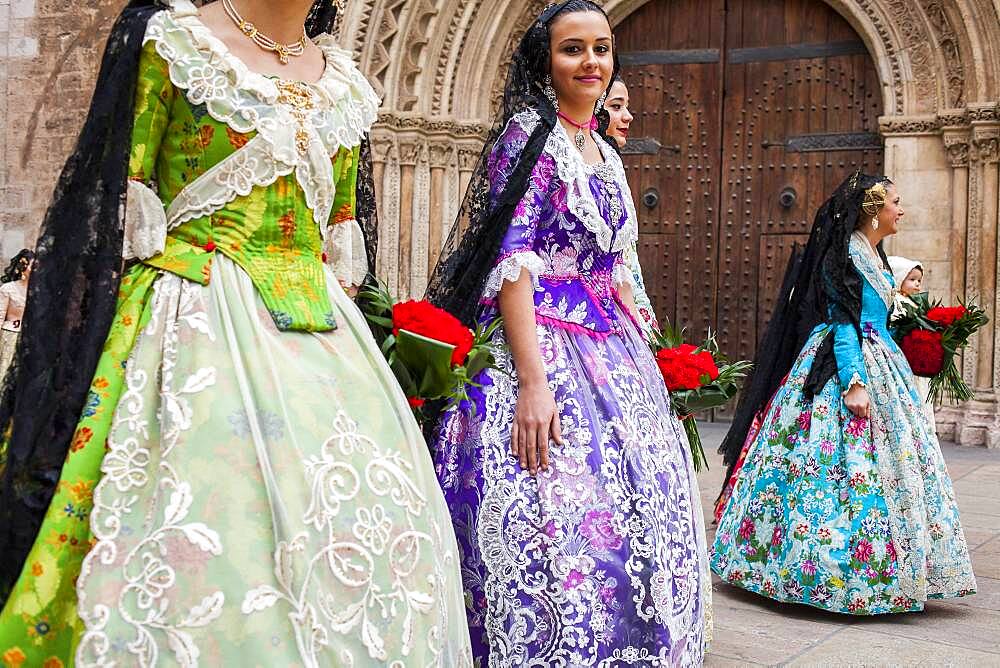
x=843, y=513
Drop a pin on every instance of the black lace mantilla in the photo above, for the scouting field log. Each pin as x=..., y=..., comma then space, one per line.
x=73, y=290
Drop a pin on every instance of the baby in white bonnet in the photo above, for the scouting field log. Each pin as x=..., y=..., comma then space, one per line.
x=908, y=277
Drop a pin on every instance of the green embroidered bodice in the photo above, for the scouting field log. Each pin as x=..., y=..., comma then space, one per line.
x=190, y=116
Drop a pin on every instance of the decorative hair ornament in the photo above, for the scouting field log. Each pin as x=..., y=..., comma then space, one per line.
x=875, y=198
x=853, y=185
x=601, y=100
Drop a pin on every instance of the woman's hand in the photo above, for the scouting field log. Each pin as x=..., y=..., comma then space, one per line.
x=536, y=421
x=858, y=401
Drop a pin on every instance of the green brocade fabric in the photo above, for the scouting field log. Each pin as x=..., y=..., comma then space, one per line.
x=270, y=232
x=39, y=623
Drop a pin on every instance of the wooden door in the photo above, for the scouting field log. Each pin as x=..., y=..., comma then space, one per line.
x=748, y=114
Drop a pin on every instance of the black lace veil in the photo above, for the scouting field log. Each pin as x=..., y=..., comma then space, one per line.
x=73, y=289
x=821, y=285
x=471, y=249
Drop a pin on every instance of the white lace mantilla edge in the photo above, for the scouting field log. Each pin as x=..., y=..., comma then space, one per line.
x=509, y=269
x=573, y=171
x=346, y=255
x=202, y=66
x=145, y=223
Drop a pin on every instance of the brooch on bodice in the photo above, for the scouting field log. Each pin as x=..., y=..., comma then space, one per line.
x=301, y=99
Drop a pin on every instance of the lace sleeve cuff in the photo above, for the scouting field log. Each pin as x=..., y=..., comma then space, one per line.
x=510, y=268
x=855, y=380
x=622, y=275
x=145, y=223
x=345, y=252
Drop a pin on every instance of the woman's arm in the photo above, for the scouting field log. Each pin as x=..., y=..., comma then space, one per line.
x=513, y=279
x=628, y=298
x=536, y=416
x=851, y=369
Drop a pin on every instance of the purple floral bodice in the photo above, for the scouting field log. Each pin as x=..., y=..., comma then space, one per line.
x=569, y=231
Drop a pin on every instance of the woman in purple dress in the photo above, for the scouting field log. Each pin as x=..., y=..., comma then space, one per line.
x=568, y=476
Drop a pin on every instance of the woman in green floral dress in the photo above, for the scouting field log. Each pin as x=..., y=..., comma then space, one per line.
x=246, y=484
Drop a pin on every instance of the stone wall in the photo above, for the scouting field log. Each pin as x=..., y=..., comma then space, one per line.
x=50, y=51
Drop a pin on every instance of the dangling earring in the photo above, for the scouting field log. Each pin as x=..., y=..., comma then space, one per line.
x=550, y=92
x=875, y=223
x=600, y=101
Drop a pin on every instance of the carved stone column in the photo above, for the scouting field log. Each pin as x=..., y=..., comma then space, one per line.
x=409, y=153
x=440, y=155
x=986, y=144
x=385, y=155
x=956, y=141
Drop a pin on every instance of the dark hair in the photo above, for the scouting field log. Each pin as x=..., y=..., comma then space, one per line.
x=18, y=265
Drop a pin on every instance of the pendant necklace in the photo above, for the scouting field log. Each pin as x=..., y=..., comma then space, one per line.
x=580, y=139
x=284, y=51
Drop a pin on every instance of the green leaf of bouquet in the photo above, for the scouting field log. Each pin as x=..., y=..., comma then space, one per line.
x=479, y=359
x=403, y=375
x=427, y=359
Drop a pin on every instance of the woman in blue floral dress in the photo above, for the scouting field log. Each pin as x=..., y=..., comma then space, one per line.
x=843, y=501
x=569, y=478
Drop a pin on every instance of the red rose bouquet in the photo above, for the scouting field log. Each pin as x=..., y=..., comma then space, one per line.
x=931, y=336
x=431, y=353
x=699, y=378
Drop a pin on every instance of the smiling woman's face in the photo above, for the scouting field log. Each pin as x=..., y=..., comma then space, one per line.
x=618, y=111
x=582, y=62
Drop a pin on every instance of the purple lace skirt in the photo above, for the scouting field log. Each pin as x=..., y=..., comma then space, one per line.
x=601, y=560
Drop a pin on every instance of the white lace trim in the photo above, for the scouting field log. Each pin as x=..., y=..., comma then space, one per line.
x=202, y=66
x=129, y=465
x=855, y=381
x=235, y=176
x=869, y=265
x=622, y=275
x=509, y=269
x=575, y=173
x=345, y=251
x=145, y=223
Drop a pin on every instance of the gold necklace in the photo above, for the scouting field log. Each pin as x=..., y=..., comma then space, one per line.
x=284, y=51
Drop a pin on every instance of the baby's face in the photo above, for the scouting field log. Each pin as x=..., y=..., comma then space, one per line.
x=912, y=283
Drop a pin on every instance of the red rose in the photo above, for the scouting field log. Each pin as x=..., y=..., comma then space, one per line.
x=946, y=315
x=683, y=368
x=924, y=352
x=422, y=317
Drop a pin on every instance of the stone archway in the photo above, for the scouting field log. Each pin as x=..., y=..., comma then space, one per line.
x=440, y=65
